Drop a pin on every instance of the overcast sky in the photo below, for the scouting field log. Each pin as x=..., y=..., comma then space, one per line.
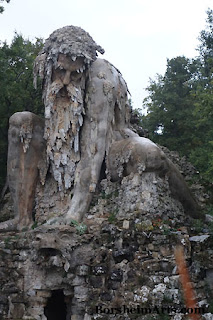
x=138, y=35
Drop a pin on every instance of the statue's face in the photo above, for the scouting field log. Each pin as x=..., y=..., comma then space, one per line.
x=68, y=70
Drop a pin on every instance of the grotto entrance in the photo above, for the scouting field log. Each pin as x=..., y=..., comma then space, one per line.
x=56, y=307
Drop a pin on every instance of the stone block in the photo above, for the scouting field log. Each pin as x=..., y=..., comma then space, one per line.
x=17, y=310
x=82, y=270
x=96, y=281
x=126, y=224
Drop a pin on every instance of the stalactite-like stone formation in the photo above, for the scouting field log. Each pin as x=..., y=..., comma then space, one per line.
x=62, y=130
x=62, y=63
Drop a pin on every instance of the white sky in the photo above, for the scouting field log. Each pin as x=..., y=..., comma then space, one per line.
x=138, y=35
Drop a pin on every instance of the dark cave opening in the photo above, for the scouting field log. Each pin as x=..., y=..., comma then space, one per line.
x=56, y=307
x=103, y=170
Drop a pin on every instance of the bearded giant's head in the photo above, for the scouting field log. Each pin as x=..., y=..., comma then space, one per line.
x=62, y=66
x=71, y=41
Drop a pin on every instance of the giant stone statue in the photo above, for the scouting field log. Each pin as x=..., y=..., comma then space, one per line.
x=54, y=164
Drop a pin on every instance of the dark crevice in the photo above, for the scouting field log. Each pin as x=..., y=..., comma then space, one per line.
x=48, y=252
x=56, y=307
x=103, y=171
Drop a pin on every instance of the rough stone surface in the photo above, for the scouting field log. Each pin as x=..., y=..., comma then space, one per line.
x=26, y=146
x=108, y=265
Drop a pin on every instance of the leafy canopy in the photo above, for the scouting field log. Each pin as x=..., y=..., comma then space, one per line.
x=180, y=105
x=1, y=7
x=17, y=92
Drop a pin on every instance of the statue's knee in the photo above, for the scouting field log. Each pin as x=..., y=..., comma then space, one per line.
x=28, y=129
x=20, y=118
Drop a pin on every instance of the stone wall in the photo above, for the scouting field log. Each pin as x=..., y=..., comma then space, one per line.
x=117, y=264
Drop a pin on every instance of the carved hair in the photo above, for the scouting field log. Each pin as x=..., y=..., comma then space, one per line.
x=69, y=40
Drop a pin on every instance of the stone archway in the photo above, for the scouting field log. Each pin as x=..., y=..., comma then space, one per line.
x=56, y=307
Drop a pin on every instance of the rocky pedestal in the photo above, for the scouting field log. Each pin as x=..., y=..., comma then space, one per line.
x=117, y=264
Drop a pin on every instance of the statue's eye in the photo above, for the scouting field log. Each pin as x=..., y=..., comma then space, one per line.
x=61, y=70
x=76, y=75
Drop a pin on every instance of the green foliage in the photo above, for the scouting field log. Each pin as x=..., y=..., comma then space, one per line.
x=1, y=7
x=112, y=217
x=180, y=106
x=206, y=48
x=7, y=242
x=80, y=227
x=210, y=308
x=74, y=222
x=164, y=317
x=170, y=106
x=198, y=225
x=111, y=195
x=209, y=210
x=17, y=92
x=35, y=225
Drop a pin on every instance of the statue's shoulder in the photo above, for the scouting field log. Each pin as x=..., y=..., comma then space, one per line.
x=102, y=68
x=103, y=63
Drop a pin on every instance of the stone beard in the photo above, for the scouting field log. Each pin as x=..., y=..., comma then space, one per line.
x=64, y=110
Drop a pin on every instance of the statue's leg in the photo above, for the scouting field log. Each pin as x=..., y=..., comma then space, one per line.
x=25, y=150
x=93, y=148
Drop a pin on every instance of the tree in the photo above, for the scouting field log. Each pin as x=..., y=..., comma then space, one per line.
x=1, y=7
x=202, y=156
x=206, y=49
x=180, y=105
x=17, y=92
x=170, y=105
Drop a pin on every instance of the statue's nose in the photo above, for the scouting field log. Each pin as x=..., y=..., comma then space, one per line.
x=66, y=79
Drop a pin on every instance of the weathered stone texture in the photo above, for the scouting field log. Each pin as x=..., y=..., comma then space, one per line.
x=58, y=162
x=124, y=256
x=110, y=207
x=26, y=147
